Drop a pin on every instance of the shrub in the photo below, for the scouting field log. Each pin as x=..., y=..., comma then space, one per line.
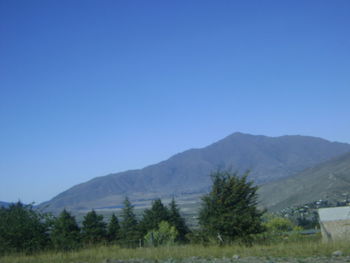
x=164, y=235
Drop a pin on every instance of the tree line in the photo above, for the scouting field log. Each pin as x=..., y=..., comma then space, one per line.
x=22, y=228
x=228, y=213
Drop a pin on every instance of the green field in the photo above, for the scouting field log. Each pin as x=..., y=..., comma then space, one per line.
x=307, y=247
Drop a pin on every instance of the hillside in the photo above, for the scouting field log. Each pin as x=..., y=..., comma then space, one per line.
x=328, y=181
x=268, y=158
x=4, y=204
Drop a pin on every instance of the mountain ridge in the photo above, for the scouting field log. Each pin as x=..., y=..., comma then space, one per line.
x=329, y=180
x=268, y=158
x=4, y=204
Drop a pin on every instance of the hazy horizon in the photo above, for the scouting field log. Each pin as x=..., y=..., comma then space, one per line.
x=92, y=88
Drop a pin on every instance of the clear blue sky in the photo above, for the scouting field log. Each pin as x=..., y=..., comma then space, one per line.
x=93, y=87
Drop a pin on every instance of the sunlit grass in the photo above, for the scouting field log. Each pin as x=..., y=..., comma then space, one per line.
x=304, y=248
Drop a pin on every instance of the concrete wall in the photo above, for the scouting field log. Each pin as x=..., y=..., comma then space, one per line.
x=335, y=230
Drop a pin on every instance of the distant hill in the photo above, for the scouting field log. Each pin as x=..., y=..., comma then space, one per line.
x=268, y=158
x=328, y=181
x=4, y=204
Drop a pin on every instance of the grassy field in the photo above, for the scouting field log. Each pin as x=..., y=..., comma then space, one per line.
x=297, y=249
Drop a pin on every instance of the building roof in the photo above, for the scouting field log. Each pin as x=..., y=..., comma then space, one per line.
x=334, y=213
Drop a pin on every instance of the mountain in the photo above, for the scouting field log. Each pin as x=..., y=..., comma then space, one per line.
x=268, y=159
x=4, y=204
x=327, y=181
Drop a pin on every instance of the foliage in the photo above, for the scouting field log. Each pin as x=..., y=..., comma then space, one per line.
x=279, y=225
x=229, y=212
x=198, y=236
x=308, y=223
x=113, y=231
x=153, y=216
x=31, y=231
x=65, y=234
x=278, y=229
x=94, y=229
x=129, y=228
x=164, y=235
x=177, y=221
x=296, y=251
x=23, y=229
x=158, y=213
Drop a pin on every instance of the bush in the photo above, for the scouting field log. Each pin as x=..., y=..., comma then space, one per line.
x=164, y=235
x=278, y=229
x=279, y=225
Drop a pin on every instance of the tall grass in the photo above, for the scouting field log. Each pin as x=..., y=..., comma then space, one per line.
x=295, y=249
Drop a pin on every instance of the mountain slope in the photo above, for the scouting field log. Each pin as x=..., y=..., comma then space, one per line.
x=328, y=181
x=268, y=159
x=4, y=204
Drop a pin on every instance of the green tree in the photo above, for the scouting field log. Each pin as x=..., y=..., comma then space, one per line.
x=65, y=234
x=129, y=226
x=23, y=229
x=177, y=221
x=153, y=216
x=165, y=234
x=94, y=228
x=229, y=212
x=113, y=232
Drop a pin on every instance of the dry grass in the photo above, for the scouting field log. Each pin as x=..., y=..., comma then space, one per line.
x=305, y=248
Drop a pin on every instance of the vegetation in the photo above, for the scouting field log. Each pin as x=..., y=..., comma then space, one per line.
x=152, y=217
x=308, y=247
x=176, y=220
x=94, y=228
x=161, y=221
x=23, y=229
x=113, y=232
x=280, y=225
x=65, y=234
x=229, y=212
x=165, y=234
x=228, y=216
x=26, y=230
x=130, y=229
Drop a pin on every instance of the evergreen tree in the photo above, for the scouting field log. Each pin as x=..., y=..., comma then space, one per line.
x=23, y=229
x=65, y=234
x=177, y=221
x=94, y=228
x=153, y=216
x=129, y=226
x=113, y=232
x=229, y=211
